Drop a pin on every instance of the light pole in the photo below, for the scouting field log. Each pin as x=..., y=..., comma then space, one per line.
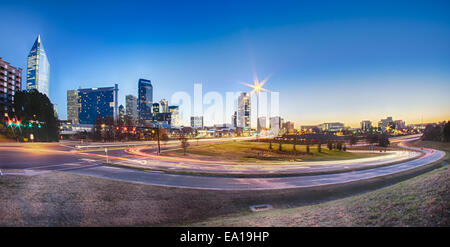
x=157, y=134
x=159, y=147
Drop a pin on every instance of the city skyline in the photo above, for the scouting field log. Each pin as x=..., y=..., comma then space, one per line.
x=348, y=80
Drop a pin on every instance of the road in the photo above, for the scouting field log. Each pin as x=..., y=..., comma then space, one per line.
x=31, y=159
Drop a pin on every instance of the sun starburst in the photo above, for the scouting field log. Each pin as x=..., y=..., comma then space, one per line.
x=257, y=85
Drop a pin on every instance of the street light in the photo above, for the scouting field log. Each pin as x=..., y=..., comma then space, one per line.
x=157, y=133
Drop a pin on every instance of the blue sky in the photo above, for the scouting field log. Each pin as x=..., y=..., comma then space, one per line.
x=331, y=60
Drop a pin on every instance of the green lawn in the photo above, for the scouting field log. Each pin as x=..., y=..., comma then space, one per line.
x=260, y=152
x=421, y=201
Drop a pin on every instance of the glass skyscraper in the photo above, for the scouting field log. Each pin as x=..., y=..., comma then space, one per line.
x=95, y=102
x=145, y=100
x=38, y=68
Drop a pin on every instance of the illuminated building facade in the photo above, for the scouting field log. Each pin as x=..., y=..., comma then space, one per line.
x=131, y=108
x=243, y=117
x=174, y=115
x=366, y=126
x=332, y=127
x=10, y=82
x=289, y=127
x=121, y=115
x=38, y=68
x=72, y=106
x=385, y=123
x=97, y=102
x=155, y=110
x=145, y=101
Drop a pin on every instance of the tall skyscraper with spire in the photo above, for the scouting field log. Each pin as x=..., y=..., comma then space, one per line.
x=38, y=68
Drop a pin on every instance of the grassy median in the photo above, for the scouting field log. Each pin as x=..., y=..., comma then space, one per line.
x=261, y=152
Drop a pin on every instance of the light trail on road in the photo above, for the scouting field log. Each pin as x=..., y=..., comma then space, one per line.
x=44, y=158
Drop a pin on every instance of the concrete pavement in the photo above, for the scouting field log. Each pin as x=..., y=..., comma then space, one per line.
x=45, y=158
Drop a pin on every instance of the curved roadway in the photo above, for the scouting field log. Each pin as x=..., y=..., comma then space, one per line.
x=234, y=183
x=36, y=158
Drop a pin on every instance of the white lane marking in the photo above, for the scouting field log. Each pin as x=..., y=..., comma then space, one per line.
x=77, y=167
x=88, y=160
x=39, y=167
x=67, y=146
x=110, y=167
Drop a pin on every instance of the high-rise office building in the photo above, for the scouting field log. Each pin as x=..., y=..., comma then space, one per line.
x=38, y=68
x=366, y=125
x=261, y=123
x=234, y=119
x=145, y=101
x=121, y=118
x=164, y=106
x=289, y=127
x=155, y=110
x=384, y=123
x=96, y=102
x=10, y=82
x=73, y=106
x=399, y=124
x=131, y=108
x=332, y=127
x=175, y=115
x=163, y=117
x=243, y=117
x=197, y=122
x=55, y=110
x=275, y=123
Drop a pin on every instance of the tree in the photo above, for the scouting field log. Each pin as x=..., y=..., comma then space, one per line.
x=37, y=114
x=353, y=140
x=339, y=145
x=184, y=143
x=110, y=132
x=372, y=138
x=98, y=128
x=329, y=144
x=446, y=132
x=432, y=133
x=383, y=140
